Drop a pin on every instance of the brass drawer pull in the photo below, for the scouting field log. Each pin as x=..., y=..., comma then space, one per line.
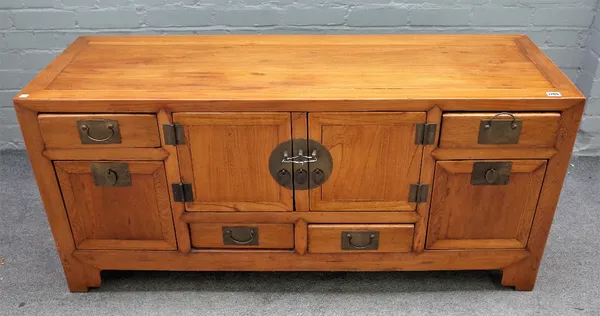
x=99, y=131
x=300, y=158
x=491, y=173
x=111, y=174
x=301, y=171
x=360, y=240
x=109, y=126
x=500, y=131
x=240, y=236
x=513, y=124
x=111, y=177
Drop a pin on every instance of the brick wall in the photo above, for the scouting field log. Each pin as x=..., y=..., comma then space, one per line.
x=32, y=32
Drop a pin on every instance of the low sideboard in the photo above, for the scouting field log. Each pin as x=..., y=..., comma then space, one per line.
x=300, y=153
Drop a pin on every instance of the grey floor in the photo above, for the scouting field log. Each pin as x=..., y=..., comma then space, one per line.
x=31, y=280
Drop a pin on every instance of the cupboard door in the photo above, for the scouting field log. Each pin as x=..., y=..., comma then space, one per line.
x=133, y=212
x=375, y=160
x=226, y=159
x=474, y=216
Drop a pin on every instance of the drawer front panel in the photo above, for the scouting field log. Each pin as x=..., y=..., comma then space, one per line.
x=260, y=236
x=120, y=205
x=462, y=130
x=360, y=238
x=484, y=204
x=99, y=130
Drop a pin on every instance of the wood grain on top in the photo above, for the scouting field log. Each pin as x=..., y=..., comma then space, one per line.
x=300, y=67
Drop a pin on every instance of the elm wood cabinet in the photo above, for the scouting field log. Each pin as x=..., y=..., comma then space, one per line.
x=300, y=153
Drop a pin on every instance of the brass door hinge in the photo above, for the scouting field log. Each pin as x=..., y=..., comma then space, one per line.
x=418, y=193
x=182, y=192
x=425, y=134
x=174, y=134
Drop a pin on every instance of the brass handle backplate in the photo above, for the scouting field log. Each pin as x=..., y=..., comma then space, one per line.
x=299, y=171
x=111, y=174
x=491, y=173
x=500, y=131
x=360, y=240
x=240, y=236
x=99, y=131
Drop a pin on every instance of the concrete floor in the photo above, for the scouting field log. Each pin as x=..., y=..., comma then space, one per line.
x=32, y=283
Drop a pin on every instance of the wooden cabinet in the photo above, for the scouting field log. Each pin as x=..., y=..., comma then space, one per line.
x=300, y=153
x=470, y=214
x=133, y=214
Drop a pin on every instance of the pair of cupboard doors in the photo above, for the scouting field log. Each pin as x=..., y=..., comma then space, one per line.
x=225, y=157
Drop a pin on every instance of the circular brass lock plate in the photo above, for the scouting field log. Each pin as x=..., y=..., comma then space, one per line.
x=300, y=164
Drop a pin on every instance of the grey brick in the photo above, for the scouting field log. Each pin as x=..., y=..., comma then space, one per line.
x=563, y=16
x=246, y=17
x=39, y=3
x=591, y=63
x=501, y=16
x=581, y=3
x=8, y=116
x=11, y=4
x=584, y=83
x=9, y=79
x=6, y=97
x=25, y=76
x=387, y=16
x=571, y=73
x=117, y=3
x=29, y=20
x=596, y=23
x=538, y=37
x=592, y=106
x=179, y=17
x=79, y=3
x=9, y=61
x=595, y=91
x=564, y=38
x=565, y=57
x=471, y=1
x=441, y=17
x=37, y=60
x=108, y=19
x=504, y=3
x=158, y=3
x=315, y=16
x=29, y=40
x=593, y=42
x=5, y=22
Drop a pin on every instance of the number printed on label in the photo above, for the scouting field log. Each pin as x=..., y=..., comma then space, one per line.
x=553, y=94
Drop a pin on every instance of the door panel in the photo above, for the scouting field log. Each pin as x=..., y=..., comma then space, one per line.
x=375, y=159
x=465, y=215
x=136, y=216
x=226, y=158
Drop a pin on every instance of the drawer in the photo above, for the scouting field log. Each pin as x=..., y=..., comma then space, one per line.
x=360, y=238
x=462, y=130
x=99, y=130
x=260, y=236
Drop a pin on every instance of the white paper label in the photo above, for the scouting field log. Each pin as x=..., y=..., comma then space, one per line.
x=553, y=94
x=24, y=95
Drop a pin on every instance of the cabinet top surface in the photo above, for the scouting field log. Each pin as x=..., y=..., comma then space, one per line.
x=300, y=67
